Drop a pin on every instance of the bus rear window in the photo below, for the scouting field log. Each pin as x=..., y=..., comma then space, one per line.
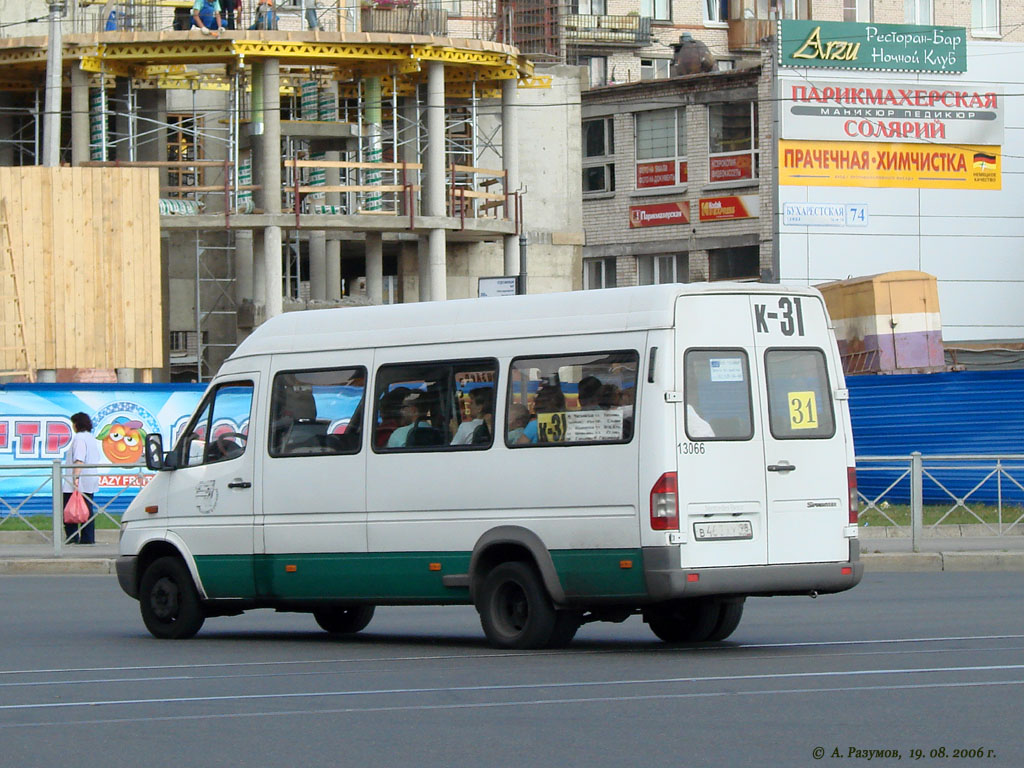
x=717, y=387
x=799, y=396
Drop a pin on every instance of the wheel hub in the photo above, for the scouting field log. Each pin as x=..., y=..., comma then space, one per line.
x=164, y=599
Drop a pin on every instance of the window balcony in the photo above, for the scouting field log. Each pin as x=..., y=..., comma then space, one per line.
x=617, y=31
x=404, y=21
x=750, y=21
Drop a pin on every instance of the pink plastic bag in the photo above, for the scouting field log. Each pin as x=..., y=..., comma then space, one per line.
x=77, y=509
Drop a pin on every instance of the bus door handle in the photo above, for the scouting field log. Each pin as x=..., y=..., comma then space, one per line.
x=787, y=467
x=239, y=483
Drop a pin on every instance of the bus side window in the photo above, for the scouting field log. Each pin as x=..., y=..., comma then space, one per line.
x=572, y=399
x=317, y=412
x=435, y=406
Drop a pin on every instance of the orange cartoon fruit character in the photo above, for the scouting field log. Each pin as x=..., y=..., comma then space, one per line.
x=122, y=440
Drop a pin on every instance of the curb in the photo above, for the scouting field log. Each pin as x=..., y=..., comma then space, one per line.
x=910, y=562
x=40, y=566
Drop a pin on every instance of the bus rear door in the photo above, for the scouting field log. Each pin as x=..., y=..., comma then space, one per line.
x=805, y=446
x=720, y=454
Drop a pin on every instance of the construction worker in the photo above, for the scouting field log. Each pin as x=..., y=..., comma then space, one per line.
x=266, y=16
x=206, y=16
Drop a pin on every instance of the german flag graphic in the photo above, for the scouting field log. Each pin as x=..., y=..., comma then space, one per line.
x=983, y=161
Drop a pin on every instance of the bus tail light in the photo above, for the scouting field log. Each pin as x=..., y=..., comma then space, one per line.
x=851, y=481
x=665, y=504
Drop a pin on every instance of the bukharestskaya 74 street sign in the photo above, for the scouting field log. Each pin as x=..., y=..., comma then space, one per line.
x=890, y=47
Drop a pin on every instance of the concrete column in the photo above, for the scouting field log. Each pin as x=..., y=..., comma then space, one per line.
x=152, y=126
x=125, y=375
x=122, y=119
x=243, y=266
x=318, y=265
x=423, y=266
x=79, y=116
x=46, y=376
x=375, y=267
x=270, y=178
x=510, y=163
x=436, y=267
x=332, y=271
x=433, y=188
x=259, y=267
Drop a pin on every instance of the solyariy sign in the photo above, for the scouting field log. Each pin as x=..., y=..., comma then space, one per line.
x=917, y=113
x=855, y=45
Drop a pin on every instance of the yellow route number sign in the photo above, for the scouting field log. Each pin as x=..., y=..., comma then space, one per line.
x=803, y=410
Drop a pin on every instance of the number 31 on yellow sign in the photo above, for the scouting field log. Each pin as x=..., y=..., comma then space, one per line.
x=803, y=410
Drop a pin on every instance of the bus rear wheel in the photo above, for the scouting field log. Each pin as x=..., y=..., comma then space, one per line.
x=684, y=621
x=344, y=620
x=169, y=601
x=516, y=612
x=728, y=619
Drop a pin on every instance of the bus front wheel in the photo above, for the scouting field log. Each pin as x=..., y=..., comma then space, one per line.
x=168, y=600
x=516, y=612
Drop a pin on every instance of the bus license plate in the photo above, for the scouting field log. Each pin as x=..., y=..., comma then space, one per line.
x=733, y=529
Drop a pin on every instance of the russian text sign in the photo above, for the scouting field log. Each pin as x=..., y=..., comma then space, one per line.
x=889, y=47
x=895, y=166
x=914, y=113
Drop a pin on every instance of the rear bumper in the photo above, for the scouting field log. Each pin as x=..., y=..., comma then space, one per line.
x=667, y=581
x=126, y=574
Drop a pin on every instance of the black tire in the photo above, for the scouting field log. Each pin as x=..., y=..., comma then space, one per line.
x=685, y=621
x=169, y=601
x=344, y=620
x=516, y=612
x=728, y=619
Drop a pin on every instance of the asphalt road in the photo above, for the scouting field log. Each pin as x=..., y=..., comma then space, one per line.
x=907, y=661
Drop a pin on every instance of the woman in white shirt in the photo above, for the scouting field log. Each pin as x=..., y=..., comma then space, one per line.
x=479, y=407
x=84, y=449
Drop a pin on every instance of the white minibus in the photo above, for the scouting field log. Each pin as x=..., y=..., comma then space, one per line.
x=551, y=460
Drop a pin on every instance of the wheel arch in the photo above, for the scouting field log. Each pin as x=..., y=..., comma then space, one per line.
x=171, y=546
x=512, y=542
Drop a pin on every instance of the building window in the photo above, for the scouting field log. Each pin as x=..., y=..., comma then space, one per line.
x=183, y=144
x=659, y=10
x=597, y=66
x=734, y=263
x=732, y=141
x=716, y=11
x=663, y=268
x=598, y=148
x=793, y=9
x=661, y=148
x=599, y=273
x=858, y=10
x=985, y=17
x=453, y=7
x=917, y=11
x=591, y=7
x=654, y=69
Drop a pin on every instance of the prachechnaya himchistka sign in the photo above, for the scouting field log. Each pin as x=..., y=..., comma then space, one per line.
x=888, y=47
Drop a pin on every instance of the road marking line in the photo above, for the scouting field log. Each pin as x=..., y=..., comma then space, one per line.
x=517, y=687
x=526, y=703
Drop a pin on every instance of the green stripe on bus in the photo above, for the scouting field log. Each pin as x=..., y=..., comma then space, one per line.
x=404, y=576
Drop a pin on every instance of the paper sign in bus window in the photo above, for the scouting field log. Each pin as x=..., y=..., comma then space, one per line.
x=579, y=426
x=803, y=410
x=726, y=368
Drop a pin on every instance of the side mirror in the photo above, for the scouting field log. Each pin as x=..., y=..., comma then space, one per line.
x=154, y=451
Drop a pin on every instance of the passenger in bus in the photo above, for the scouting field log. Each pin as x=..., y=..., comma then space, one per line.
x=481, y=402
x=608, y=397
x=390, y=414
x=549, y=399
x=588, y=390
x=518, y=418
x=414, y=415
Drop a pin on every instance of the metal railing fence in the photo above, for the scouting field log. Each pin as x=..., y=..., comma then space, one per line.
x=34, y=490
x=987, y=489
